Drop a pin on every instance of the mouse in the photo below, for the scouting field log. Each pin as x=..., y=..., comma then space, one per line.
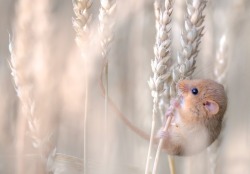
x=197, y=115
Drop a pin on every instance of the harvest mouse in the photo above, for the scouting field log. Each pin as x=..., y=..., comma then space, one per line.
x=197, y=117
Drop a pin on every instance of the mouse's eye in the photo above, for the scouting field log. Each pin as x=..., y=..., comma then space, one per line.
x=195, y=91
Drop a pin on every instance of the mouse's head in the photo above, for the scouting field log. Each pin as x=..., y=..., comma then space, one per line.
x=202, y=97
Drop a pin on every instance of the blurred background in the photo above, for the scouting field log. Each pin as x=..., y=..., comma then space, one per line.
x=45, y=129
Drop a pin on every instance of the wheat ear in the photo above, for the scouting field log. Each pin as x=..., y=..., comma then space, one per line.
x=190, y=40
x=80, y=24
x=23, y=90
x=161, y=63
x=23, y=49
x=20, y=50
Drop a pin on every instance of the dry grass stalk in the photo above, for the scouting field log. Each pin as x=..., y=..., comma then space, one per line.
x=42, y=69
x=20, y=50
x=23, y=91
x=27, y=48
x=106, y=29
x=161, y=63
x=190, y=40
x=159, y=149
x=81, y=26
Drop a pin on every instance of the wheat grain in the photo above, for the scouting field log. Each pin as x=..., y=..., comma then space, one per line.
x=190, y=40
x=81, y=22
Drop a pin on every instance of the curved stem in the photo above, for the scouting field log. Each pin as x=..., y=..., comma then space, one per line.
x=151, y=139
x=106, y=98
x=159, y=150
x=85, y=118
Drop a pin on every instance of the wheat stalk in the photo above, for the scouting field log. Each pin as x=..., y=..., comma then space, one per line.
x=81, y=26
x=160, y=64
x=20, y=51
x=23, y=90
x=43, y=33
x=106, y=29
x=190, y=40
x=27, y=47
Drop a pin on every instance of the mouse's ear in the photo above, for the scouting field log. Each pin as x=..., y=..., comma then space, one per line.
x=211, y=106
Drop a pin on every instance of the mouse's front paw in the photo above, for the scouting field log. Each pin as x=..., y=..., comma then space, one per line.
x=170, y=111
x=161, y=134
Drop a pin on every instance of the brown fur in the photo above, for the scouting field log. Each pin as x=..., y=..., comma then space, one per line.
x=197, y=127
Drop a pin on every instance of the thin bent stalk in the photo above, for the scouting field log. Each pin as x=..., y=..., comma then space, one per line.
x=152, y=133
x=159, y=149
x=190, y=40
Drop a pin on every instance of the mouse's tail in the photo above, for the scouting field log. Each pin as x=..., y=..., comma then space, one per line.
x=135, y=129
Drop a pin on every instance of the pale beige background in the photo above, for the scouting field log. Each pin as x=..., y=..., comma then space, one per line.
x=129, y=71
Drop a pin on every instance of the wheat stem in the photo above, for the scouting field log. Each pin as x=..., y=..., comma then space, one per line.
x=106, y=27
x=106, y=95
x=171, y=164
x=161, y=67
x=151, y=139
x=81, y=26
x=85, y=118
x=159, y=149
x=190, y=40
